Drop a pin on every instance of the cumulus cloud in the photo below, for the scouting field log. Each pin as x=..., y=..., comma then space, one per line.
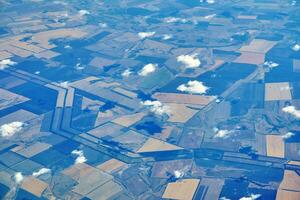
x=41, y=172
x=288, y=135
x=103, y=25
x=83, y=12
x=148, y=69
x=80, y=156
x=167, y=36
x=189, y=61
x=251, y=197
x=222, y=134
x=64, y=84
x=126, y=73
x=157, y=107
x=18, y=177
x=296, y=47
x=224, y=198
x=144, y=35
x=7, y=130
x=291, y=110
x=6, y=63
x=193, y=87
x=271, y=64
x=175, y=19
x=178, y=173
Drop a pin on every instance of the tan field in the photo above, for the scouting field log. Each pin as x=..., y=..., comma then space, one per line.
x=275, y=146
x=277, y=91
x=183, y=98
x=152, y=145
x=129, y=120
x=251, y=58
x=258, y=46
x=111, y=165
x=291, y=181
x=182, y=189
x=34, y=185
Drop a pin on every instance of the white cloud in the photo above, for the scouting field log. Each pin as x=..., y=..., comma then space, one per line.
x=144, y=35
x=251, y=197
x=83, y=12
x=292, y=110
x=80, y=156
x=126, y=73
x=296, y=47
x=175, y=19
x=41, y=171
x=271, y=64
x=64, y=84
x=288, y=135
x=6, y=63
x=103, y=25
x=178, y=173
x=148, y=69
x=7, y=130
x=224, y=198
x=157, y=107
x=167, y=36
x=18, y=177
x=189, y=61
x=222, y=134
x=210, y=16
x=210, y=1
x=193, y=87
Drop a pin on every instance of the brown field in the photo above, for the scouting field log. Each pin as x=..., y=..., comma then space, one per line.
x=152, y=145
x=180, y=112
x=129, y=120
x=277, y=91
x=251, y=58
x=34, y=149
x=258, y=46
x=111, y=165
x=183, y=98
x=34, y=186
x=287, y=195
x=182, y=189
x=291, y=181
x=275, y=146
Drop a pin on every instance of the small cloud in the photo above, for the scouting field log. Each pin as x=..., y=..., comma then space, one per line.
x=80, y=156
x=83, y=12
x=271, y=64
x=18, y=177
x=296, y=47
x=288, y=135
x=157, y=107
x=41, y=172
x=224, y=198
x=210, y=16
x=175, y=19
x=126, y=73
x=210, y=1
x=148, y=69
x=8, y=130
x=222, y=134
x=64, y=84
x=193, y=87
x=189, y=61
x=103, y=25
x=292, y=110
x=167, y=36
x=251, y=197
x=144, y=35
x=178, y=173
x=6, y=63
